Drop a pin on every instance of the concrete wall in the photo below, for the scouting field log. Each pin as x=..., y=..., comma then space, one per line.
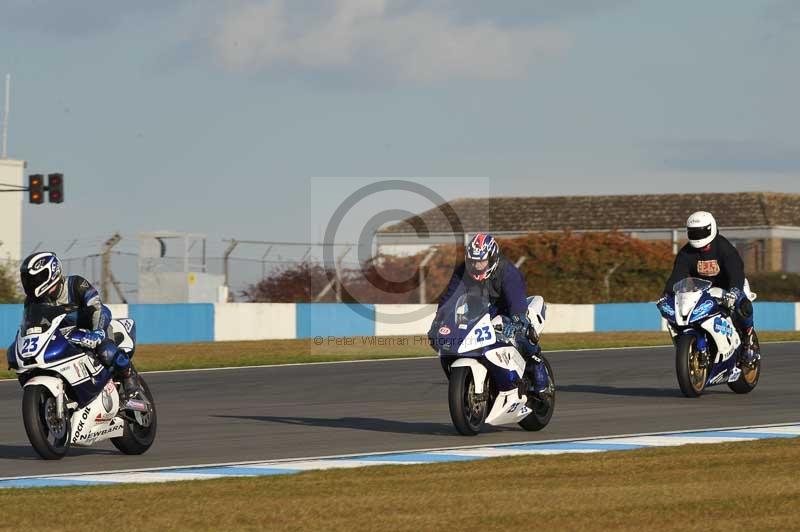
x=200, y=322
x=254, y=321
x=391, y=320
x=569, y=318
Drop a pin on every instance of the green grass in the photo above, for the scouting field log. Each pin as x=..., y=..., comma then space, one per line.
x=726, y=487
x=271, y=352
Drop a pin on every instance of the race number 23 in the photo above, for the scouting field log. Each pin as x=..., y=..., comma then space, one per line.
x=30, y=345
x=483, y=334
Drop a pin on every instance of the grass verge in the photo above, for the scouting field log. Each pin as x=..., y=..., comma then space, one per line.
x=735, y=486
x=271, y=352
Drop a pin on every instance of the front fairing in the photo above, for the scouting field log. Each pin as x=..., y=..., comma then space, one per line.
x=691, y=303
x=466, y=326
x=37, y=346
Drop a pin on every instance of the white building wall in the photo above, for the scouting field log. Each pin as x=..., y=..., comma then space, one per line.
x=11, y=173
x=254, y=321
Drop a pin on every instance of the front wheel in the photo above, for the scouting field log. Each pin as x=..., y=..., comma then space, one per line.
x=543, y=405
x=140, y=434
x=748, y=380
x=48, y=435
x=468, y=410
x=691, y=370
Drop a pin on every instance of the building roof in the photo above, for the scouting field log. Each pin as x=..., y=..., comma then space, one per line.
x=593, y=213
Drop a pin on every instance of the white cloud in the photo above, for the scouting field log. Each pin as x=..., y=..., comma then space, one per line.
x=417, y=44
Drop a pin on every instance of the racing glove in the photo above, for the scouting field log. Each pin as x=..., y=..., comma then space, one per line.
x=87, y=339
x=519, y=325
x=730, y=298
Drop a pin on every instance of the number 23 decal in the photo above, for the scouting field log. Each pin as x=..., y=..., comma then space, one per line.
x=483, y=334
x=30, y=345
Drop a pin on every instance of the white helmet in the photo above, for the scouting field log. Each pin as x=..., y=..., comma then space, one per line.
x=701, y=228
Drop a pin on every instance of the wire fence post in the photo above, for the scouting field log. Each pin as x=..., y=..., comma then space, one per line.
x=106, y=277
x=231, y=246
x=422, y=265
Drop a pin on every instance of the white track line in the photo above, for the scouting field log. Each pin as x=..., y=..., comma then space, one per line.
x=410, y=451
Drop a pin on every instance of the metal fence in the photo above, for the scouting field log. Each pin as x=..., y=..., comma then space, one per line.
x=245, y=264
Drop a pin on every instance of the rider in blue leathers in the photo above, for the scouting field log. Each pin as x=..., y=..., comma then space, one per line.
x=49, y=293
x=486, y=273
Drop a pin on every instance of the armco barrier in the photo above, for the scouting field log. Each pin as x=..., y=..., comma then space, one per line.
x=10, y=318
x=254, y=321
x=391, y=320
x=569, y=318
x=775, y=316
x=173, y=323
x=797, y=316
x=180, y=323
x=626, y=317
x=335, y=319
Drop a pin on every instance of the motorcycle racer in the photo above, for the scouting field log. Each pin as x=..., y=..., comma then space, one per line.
x=486, y=273
x=710, y=256
x=50, y=293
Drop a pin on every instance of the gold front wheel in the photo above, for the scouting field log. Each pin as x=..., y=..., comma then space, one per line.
x=691, y=372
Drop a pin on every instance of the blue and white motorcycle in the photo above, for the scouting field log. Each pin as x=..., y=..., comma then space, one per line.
x=708, y=346
x=69, y=398
x=489, y=380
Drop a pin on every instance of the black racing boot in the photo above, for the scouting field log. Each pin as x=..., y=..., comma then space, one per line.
x=134, y=396
x=750, y=348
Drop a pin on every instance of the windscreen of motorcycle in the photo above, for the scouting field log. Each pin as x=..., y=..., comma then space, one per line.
x=687, y=294
x=469, y=308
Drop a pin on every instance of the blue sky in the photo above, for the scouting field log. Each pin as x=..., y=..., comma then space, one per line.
x=214, y=117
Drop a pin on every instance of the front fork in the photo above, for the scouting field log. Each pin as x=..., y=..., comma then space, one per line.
x=60, y=406
x=701, y=344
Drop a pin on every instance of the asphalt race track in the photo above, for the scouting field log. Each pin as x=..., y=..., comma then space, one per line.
x=329, y=409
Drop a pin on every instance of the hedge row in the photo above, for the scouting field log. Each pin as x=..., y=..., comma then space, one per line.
x=562, y=267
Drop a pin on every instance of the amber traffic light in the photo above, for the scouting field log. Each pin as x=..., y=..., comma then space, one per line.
x=36, y=188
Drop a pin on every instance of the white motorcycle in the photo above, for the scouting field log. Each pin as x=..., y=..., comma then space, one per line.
x=708, y=348
x=70, y=398
x=489, y=380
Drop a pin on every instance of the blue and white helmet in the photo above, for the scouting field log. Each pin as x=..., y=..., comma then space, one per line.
x=482, y=256
x=41, y=274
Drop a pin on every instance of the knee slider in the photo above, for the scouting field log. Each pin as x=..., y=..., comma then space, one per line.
x=107, y=353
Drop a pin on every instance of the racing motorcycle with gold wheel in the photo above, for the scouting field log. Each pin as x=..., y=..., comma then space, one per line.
x=708, y=348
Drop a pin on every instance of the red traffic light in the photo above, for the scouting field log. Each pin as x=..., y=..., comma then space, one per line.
x=36, y=188
x=55, y=188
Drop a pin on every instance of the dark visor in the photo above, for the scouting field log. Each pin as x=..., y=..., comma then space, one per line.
x=31, y=282
x=699, y=233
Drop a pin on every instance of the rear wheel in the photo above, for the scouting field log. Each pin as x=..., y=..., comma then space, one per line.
x=468, y=410
x=692, y=374
x=138, y=436
x=543, y=405
x=48, y=435
x=748, y=380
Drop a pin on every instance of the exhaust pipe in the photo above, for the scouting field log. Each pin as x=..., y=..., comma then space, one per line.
x=136, y=405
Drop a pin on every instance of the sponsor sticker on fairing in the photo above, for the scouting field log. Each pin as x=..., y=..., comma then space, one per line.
x=444, y=329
